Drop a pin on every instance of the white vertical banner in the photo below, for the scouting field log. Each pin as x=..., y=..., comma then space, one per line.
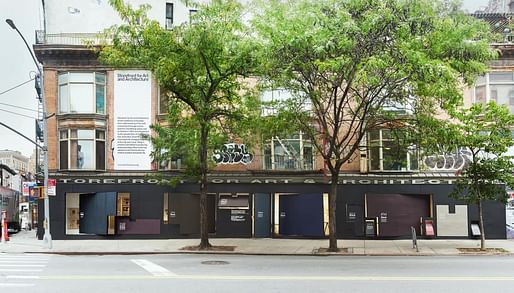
x=132, y=119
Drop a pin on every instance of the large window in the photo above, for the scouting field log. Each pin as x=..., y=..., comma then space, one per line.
x=388, y=151
x=82, y=92
x=495, y=86
x=82, y=149
x=293, y=153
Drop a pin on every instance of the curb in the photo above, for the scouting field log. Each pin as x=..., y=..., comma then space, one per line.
x=77, y=253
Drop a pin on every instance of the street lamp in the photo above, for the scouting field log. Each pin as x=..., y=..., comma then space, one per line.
x=47, y=238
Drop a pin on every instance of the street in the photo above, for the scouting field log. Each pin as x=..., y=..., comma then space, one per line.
x=236, y=273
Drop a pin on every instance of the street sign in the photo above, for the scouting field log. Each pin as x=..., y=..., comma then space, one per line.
x=51, y=187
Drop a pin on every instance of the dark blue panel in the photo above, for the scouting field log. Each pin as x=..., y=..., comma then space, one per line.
x=89, y=213
x=110, y=203
x=94, y=211
x=301, y=215
x=262, y=214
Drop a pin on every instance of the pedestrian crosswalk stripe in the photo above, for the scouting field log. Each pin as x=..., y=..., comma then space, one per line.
x=20, y=270
x=22, y=265
x=16, y=285
x=152, y=268
x=22, y=277
x=21, y=261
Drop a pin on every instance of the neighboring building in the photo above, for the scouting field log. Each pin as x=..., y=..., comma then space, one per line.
x=15, y=160
x=36, y=162
x=277, y=190
x=19, y=164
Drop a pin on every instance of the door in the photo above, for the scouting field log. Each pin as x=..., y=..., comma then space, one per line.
x=262, y=215
x=94, y=211
x=301, y=215
x=397, y=213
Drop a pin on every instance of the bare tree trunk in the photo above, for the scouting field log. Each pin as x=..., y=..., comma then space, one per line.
x=482, y=230
x=332, y=234
x=204, y=221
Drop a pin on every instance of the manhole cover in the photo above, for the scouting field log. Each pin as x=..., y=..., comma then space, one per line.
x=215, y=262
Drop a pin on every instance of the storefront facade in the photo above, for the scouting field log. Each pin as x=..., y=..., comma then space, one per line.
x=128, y=207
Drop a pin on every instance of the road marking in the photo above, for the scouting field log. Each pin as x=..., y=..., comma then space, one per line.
x=22, y=277
x=23, y=265
x=152, y=268
x=16, y=285
x=285, y=278
x=21, y=261
x=19, y=270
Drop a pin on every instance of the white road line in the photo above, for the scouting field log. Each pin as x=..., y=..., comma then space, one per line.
x=152, y=268
x=22, y=261
x=20, y=270
x=16, y=285
x=22, y=265
x=22, y=277
x=23, y=257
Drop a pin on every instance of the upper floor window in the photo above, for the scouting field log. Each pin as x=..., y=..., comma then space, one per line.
x=495, y=86
x=270, y=97
x=82, y=149
x=169, y=15
x=82, y=92
x=388, y=152
x=164, y=100
x=293, y=153
x=192, y=13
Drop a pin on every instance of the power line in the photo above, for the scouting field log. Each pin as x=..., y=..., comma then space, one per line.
x=17, y=86
x=23, y=108
x=14, y=113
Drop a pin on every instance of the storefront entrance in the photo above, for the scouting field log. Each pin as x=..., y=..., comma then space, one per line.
x=301, y=215
x=397, y=213
x=95, y=210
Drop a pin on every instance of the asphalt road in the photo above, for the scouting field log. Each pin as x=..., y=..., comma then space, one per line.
x=233, y=273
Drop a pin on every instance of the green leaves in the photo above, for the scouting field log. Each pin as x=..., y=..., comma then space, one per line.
x=200, y=66
x=352, y=57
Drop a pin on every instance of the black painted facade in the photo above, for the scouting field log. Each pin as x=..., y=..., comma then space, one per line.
x=146, y=207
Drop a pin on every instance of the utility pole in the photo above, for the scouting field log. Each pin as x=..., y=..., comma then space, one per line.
x=47, y=238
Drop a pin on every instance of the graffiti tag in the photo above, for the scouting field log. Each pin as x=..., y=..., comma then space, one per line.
x=458, y=160
x=232, y=153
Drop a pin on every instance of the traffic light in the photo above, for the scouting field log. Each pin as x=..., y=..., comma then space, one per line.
x=41, y=192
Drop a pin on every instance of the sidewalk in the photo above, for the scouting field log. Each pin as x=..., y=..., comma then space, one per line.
x=26, y=242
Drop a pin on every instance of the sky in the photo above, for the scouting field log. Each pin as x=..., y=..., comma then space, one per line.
x=17, y=67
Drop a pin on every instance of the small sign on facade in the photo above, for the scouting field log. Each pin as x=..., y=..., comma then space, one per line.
x=51, y=187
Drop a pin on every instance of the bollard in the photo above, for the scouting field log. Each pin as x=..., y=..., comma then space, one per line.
x=414, y=239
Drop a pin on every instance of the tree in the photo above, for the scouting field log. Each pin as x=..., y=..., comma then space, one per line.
x=485, y=130
x=201, y=67
x=350, y=58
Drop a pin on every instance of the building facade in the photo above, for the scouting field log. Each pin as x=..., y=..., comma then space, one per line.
x=104, y=172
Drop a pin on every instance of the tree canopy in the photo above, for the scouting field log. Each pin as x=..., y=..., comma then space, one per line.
x=351, y=60
x=486, y=131
x=200, y=66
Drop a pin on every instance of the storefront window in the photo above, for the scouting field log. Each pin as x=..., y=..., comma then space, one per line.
x=82, y=92
x=123, y=204
x=165, y=208
x=82, y=149
x=388, y=151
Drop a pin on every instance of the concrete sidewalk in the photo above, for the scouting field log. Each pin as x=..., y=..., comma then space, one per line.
x=26, y=242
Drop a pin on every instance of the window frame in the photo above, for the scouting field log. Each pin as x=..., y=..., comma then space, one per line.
x=486, y=82
x=169, y=17
x=270, y=158
x=68, y=83
x=68, y=139
x=379, y=143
